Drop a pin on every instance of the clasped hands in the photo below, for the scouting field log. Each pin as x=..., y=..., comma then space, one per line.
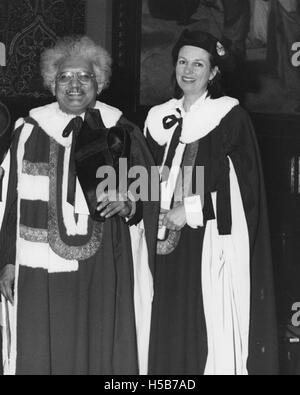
x=174, y=219
x=113, y=203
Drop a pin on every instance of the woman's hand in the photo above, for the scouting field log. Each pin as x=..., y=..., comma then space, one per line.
x=114, y=203
x=7, y=278
x=174, y=219
x=162, y=215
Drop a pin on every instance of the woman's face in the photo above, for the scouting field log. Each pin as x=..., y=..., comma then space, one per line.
x=193, y=70
x=76, y=92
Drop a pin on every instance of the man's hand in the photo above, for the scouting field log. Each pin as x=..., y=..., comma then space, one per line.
x=113, y=203
x=175, y=219
x=7, y=278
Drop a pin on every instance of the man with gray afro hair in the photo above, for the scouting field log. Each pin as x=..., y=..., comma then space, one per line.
x=79, y=47
x=72, y=293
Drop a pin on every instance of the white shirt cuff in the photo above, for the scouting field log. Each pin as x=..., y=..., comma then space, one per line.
x=193, y=211
x=133, y=206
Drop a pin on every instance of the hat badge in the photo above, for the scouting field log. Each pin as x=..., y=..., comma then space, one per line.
x=221, y=51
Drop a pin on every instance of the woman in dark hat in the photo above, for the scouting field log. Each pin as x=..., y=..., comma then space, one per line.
x=213, y=309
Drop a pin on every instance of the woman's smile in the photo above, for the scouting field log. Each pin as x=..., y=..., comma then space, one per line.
x=188, y=79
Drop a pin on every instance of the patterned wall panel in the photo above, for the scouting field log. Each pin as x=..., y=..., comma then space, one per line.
x=26, y=28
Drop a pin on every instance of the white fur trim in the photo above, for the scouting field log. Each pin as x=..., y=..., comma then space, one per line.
x=193, y=211
x=205, y=118
x=81, y=206
x=40, y=256
x=53, y=121
x=154, y=121
x=226, y=290
x=7, y=325
x=34, y=187
x=19, y=123
x=205, y=115
x=110, y=115
x=143, y=294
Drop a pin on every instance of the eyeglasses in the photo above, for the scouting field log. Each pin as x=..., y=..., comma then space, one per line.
x=83, y=77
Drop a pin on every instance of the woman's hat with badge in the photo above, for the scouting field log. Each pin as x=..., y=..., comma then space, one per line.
x=217, y=48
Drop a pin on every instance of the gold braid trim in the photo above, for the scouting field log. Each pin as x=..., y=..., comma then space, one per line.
x=35, y=169
x=62, y=249
x=33, y=235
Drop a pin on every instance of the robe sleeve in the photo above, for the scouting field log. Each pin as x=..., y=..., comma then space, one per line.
x=8, y=233
x=241, y=146
x=148, y=210
x=156, y=150
x=134, y=161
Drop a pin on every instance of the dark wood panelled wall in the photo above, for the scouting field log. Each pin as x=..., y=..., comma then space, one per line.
x=279, y=141
x=26, y=28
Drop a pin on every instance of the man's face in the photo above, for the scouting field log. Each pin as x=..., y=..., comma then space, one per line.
x=76, y=86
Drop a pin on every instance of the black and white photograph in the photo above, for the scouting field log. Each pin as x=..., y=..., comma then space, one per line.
x=150, y=190
x=261, y=33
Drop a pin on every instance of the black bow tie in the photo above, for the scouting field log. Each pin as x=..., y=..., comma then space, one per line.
x=92, y=118
x=73, y=126
x=169, y=122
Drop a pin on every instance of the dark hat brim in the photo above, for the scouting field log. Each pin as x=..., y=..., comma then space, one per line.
x=215, y=47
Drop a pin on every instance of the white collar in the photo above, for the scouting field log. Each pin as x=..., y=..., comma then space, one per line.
x=194, y=106
x=204, y=116
x=53, y=121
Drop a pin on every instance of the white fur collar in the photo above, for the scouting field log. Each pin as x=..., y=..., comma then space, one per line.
x=53, y=121
x=205, y=115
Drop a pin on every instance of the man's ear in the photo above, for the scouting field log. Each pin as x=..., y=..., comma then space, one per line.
x=100, y=88
x=53, y=89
